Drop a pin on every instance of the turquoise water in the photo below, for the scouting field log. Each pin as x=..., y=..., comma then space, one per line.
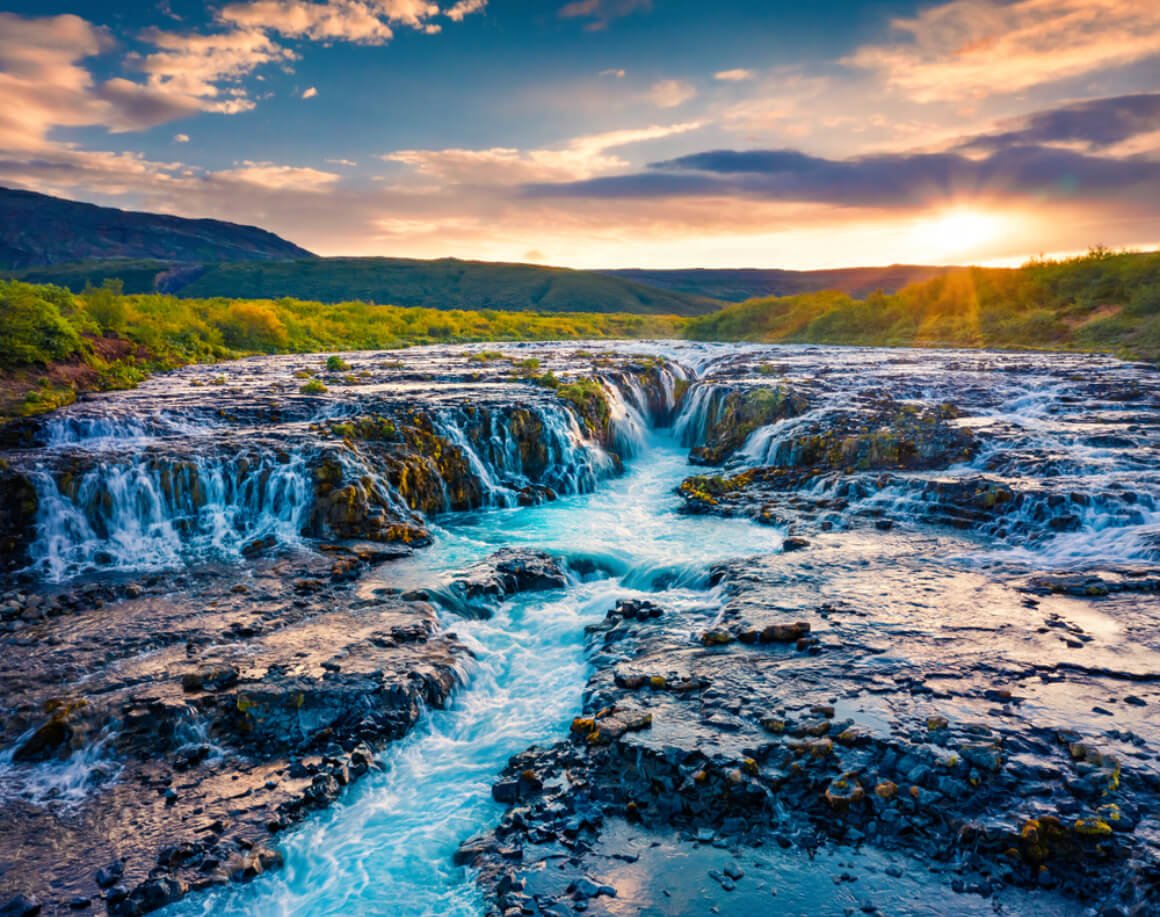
x=387, y=847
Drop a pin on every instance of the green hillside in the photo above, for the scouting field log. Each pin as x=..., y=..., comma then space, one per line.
x=443, y=284
x=38, y=229
x=1102, y=301
x=739, y=284
x=55, y=344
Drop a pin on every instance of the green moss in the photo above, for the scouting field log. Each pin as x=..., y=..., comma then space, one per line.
x=313, y=387
x=590, y=399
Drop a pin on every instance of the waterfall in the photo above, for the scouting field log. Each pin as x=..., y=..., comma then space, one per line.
x=698, y=412
x=156, y=512
x=124, y=485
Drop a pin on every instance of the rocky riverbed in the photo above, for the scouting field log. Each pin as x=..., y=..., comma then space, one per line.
x=876, y=630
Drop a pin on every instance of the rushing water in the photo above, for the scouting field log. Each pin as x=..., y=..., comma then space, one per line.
x=387, y=848
x=166, y=478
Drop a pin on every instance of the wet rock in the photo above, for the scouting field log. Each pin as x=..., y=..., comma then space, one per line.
x=150, y=895
x=108, y=876
x=586, y=887
x=510, y=571
x=20, y=906
x=784, y=633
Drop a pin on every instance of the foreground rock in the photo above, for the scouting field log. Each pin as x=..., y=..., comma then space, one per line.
x=167, y=759
x=913, y=764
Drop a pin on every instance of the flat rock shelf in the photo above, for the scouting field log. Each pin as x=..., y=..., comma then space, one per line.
x=660, y=628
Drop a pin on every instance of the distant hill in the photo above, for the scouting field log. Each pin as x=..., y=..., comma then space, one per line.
x=444, y=284
x=737, y=285
x=36, y=229
x=47, y=239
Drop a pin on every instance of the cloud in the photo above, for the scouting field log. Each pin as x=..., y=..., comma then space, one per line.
x=310, y=93
x=601, y=12
x=1093, y=124
x=579, y=158
x=44, y=84
x=212, y=66
x=980, y=48
x=617, y=72
x=734, y=76
x=348, y=163
x=196, y=65
x=671, y=93
x=463, y=9
x=370, y=22
x=135, y=107
x=181, y=138
x=277, y=177
x=892, y=181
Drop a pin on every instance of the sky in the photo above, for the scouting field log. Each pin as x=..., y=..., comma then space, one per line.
x=603, y=133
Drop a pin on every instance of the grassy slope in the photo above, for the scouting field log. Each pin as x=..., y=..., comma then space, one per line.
x=1102, y=301
x=37, y=229
x=442, y=284
x=738, y=285
x=55, y=344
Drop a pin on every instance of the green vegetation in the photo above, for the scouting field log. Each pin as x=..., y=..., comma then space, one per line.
x=54, y=343
x=443, y=284
x=1101, y=301
x=314, y=387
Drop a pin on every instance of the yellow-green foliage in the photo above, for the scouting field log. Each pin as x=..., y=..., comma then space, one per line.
x=41, y=325
x=32, y=326
x=1100, y=301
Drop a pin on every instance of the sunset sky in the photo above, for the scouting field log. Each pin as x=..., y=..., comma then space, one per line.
x=603, y=133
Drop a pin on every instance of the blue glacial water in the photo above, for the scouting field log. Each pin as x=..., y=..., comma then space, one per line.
x=387, y=847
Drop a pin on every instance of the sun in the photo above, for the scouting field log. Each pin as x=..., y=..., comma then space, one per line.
x=960, y=231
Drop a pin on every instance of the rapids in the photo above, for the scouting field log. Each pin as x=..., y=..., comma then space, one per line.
x=388, y=847
x=206, y=468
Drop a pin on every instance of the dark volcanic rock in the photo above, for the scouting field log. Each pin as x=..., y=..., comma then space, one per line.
x=203, y=737
x=738, y=743
x=509, y=571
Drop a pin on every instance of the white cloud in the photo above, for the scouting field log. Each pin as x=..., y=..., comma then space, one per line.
x=370, y=22
x=671, y=93
x=463, y=9
x=579, y=158
x=618, y=72
x=181, y=138
x=977, y=48
x=196, y=65
x=310, y=93
x=734, y=76
x=348, y=163
x=275, y=177
x=44, y=84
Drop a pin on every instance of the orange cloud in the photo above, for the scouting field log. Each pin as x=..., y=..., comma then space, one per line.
x=981, y=48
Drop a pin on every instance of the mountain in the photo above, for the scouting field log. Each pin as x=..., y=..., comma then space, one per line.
x=737, y=285
x=46, y=239
x=36, y=229
x=443, y=284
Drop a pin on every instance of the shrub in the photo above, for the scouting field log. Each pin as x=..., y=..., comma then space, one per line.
x=32, y=330
x=251, y=326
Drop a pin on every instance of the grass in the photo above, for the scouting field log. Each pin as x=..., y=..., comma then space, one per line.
x=1102, y=301
x=447, y=283
x=55, y=343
